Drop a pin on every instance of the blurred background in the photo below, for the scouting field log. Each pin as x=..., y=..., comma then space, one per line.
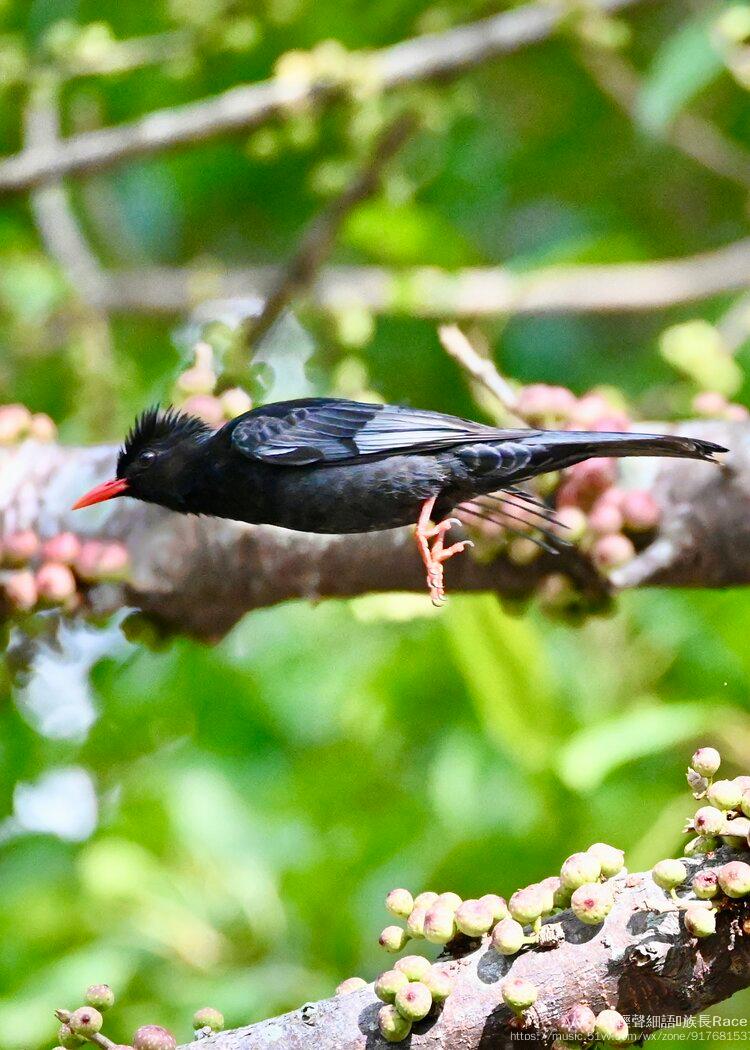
x=220, y=824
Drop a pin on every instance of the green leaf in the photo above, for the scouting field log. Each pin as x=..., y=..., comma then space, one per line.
x=697, y=349
x=686, y=63
x=407, y=234
x=505, y=670
x=647, y=728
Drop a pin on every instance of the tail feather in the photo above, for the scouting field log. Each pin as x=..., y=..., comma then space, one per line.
x=569, y=447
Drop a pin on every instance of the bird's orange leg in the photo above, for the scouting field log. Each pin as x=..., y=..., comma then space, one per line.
x=434, y=556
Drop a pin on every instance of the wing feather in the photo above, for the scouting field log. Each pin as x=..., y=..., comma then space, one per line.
x=326, y=430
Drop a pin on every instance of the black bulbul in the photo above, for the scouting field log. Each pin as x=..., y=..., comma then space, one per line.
x=336, y=466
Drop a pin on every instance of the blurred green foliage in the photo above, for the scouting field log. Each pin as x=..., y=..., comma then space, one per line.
x=255, y=801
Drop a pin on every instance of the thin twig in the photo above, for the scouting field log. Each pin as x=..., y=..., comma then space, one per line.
x=481, y=369
x=94, y=1037
x=484, y=372
x=734, y=325
x=428, y=57
x=318, y=240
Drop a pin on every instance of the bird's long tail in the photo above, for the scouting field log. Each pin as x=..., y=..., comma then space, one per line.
x=564, y=448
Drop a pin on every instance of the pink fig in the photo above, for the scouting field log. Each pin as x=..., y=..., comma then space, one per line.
x=605, y=518
x=87, y=562
x=589, y=409
x=20, y=590
x=20, y=547
x=709, y=403
x=14, y=423
x=610, y=552
x=206, y=407
x=113, y=562
x=235, y=401
x=593, y=476
x=42, y=428
x=65, y=548
x=55, y=582
x=736, y=413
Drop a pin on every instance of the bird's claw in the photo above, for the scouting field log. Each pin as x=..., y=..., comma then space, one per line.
x=435, y=585
x=457, y=548
x=439, y=530
x=436, y=554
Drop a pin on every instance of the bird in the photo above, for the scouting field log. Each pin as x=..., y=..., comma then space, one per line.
x=331, y=465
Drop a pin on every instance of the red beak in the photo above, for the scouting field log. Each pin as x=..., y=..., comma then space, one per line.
x=107, y=490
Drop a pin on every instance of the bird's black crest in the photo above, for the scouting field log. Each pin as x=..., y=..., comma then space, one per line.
x=155, y=427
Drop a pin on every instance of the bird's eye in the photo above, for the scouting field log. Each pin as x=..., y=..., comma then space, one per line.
x=147, y=456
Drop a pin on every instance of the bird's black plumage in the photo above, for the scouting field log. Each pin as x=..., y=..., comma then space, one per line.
x=329, y=465
x=335, y=466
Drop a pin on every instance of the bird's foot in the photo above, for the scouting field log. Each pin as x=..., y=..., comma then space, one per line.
x=434, y=564
x=436, y=554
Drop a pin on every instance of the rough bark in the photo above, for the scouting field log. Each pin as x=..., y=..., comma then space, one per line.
x=201, y=575
x=639, y=962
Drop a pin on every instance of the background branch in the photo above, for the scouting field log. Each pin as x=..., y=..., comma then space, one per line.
x=471, y=292
x=67, y=244
x=51, y=205
x=638, y=962
x=427, y=57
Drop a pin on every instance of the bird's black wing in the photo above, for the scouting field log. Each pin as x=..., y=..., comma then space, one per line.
x=328, y=430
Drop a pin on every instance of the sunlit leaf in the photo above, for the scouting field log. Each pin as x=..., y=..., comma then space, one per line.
x=506, y=674
x=405, y=234
x=685, y=63
x=647, y=728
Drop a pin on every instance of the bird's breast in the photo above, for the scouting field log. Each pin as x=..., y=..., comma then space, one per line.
x=362, y=496
x=355, y=497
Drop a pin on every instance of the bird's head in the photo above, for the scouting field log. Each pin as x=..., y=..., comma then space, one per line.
x=153, y=463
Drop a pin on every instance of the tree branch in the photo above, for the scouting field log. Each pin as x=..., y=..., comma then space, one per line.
x=472, y=292
x=201, y=575
x=435, y=55
x=639, y=962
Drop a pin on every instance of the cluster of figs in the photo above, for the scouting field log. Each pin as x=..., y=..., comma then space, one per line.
x=591, y=509
x=413, y=988
x=723, y=819
x=44, y=571
x=84, y=1025
x=587, y=885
